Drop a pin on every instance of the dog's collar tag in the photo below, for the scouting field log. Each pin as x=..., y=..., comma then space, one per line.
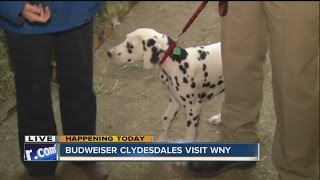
x=176, y=51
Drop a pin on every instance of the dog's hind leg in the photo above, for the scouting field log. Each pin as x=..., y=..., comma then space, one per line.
x=167, y=118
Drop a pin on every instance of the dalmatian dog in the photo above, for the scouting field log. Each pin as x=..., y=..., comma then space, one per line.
x=193, y=77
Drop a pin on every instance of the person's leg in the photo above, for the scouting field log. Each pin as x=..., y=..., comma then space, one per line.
x=30, y=55
x=74, y=53
x=75, y=76
x=294, y=48
x=244, y=45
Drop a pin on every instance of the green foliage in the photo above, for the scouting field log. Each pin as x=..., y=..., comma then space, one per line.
x=6, y=75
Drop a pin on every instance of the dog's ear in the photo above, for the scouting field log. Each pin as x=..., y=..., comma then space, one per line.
x=152, y=52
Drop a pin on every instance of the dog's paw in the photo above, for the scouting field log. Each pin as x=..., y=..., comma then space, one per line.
x=215, y=120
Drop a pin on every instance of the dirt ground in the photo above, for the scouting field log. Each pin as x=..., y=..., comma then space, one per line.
x=131, y=101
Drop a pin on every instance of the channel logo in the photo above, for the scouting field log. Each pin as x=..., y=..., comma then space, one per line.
x=40, y=152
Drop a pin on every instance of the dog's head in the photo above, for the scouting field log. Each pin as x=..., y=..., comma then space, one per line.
x=141, y=44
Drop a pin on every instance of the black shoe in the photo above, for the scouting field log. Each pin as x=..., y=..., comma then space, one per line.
x=214, y=168
x=41, y=173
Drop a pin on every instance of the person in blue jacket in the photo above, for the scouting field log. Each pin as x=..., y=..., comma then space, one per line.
x=35, y=30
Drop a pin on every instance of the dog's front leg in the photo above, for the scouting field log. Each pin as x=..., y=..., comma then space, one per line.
x=193, y=117
x=167, y=118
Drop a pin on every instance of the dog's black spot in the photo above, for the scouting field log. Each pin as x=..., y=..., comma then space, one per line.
x=210, y=96
x=144, y=45
x=192, y=95
x=203, y=95
x=170, y=100
x=155, y=55
x=165, y=72
x=193, y=85
x=119, y=54
x=184, y=106
x=170, y=40
x=155, y=37
x=162, y=76
x=170, y=80
x=202, y=47
x=165, y=118
x=129, y=60
x=151, y=42
x=196, y=124
x=190, y=114
x=177, y=82
x=177, y=88
x=199, y=102
x=190, y=102
x=188, y=96
x=186, y=65
x=220, y=82
x=192, y=79
x=129, y=51
x=185, y=80
x=202, y=55
x=196, y=118
x=220, y=77
x=207, y=84
x=221, y=91
x=204, y=67
x=183, y=99
x=188, y=123
x=175, y=114
x=184, y=71
x=212, y=86
x=181, y=57
x=205, y=74
x=129, y=45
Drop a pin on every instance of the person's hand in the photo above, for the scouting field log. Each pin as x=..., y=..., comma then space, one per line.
x=36, y=13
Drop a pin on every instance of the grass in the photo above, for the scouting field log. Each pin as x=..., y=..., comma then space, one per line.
x=6, y=75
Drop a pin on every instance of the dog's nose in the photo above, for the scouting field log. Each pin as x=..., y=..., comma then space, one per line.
x=109, y=54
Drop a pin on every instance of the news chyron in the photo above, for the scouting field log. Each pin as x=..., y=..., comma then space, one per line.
x=40, y=148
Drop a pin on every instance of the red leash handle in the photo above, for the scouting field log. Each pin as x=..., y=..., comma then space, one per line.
x=223, y=8
x=195, y=15
x=174, y=42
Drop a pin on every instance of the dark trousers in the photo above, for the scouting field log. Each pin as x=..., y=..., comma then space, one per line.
x=30, y=56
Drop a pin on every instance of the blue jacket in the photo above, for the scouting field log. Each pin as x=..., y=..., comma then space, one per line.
x=65, y=15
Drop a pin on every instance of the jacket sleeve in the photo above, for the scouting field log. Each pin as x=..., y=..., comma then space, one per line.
x=10, y=10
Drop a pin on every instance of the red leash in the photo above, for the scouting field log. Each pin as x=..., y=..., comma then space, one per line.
x=174, y=42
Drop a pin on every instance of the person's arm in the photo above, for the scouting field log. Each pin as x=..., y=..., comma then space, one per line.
x=11, y=10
